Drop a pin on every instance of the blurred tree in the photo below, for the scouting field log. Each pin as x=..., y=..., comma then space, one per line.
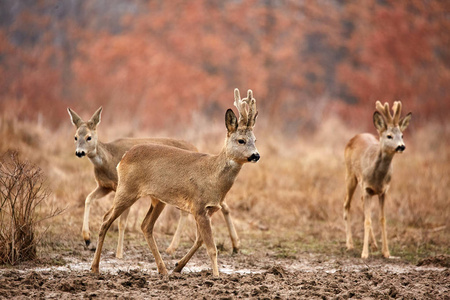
x=163, y=61
x=397, y=51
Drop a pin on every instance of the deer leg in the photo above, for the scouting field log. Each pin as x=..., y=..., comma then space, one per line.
x=122, y=201
x=232, y=231
x=177, y=236
x=384, y=247
x=147, y=228
x=122, y=226
x=367, y=224
x=98, y=193
x=204, y=225
x=372, y=237
x=182, y=262
x=351, y=186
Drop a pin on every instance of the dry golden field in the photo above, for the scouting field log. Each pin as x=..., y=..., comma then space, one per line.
x=293, y=195
x=287, y=209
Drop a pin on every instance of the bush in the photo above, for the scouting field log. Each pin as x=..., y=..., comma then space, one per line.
x=22, y=192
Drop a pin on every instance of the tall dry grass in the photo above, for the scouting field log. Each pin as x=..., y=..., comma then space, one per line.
x=296, y=188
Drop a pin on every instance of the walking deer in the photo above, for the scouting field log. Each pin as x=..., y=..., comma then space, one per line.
x=194, y=182
x=105, y=157
x=369, y=162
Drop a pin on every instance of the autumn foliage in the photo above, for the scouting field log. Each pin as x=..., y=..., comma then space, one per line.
x=161, y=62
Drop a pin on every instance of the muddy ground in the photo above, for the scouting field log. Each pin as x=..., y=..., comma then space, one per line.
x=258, y=274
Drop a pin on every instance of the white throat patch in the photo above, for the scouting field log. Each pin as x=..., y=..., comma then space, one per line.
x=96, y=160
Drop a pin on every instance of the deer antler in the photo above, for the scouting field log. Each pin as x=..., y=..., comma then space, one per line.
x=247, y=109
x=252, y=112
x=384, y=110
x=241, y=107
x=397, y=109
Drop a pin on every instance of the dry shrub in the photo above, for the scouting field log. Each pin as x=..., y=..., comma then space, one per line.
x=22, y=192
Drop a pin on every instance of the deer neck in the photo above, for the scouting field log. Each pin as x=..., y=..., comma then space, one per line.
x=226, y=170
x=101, y=155
x=382, y=165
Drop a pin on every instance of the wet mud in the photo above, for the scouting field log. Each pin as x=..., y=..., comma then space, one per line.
x=242, y=277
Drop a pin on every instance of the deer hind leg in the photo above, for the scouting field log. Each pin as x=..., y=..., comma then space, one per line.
x=384, y=247
x=198, y=242
x=367, y=224
x=147, y=228
x=177, y=236
x=122, y=202
x=232, y=231
x=98, y=193
x=351, y=186
x=122, y=225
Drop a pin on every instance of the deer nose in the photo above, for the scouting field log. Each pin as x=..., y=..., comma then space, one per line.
x=80, y=153
x=254, y=157
x=400, y=148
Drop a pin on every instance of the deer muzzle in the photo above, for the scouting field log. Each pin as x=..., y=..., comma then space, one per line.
x=254, y=157
x=80, y=153
x=400, y=148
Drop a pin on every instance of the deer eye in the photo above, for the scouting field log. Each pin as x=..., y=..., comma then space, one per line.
x=89, y=138
x=76, y=139
x=389, y=137
x=241, y=141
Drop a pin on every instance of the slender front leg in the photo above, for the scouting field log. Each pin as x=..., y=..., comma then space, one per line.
x=122, y=225
x=367, y=224
x=108, y=219
x=98, y=193
x=233, y=235
x=384, y=246
x=177, y=236
x=204, y=225
x=147, y=228
x=182, y=262
x=374, y=240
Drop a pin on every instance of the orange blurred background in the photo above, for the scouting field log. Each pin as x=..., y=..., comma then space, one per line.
x=162, y=63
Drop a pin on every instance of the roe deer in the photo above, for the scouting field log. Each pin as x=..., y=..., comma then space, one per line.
x=105, y=157
x=194, y=182
x=368, y=161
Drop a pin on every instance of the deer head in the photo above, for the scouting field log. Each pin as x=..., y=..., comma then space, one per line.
x=86, y=135
x=240, y=142
x=391, y=127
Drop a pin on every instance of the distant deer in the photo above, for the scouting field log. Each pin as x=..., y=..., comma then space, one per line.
x=368, y=161
x=105, y=157
x=194, y=182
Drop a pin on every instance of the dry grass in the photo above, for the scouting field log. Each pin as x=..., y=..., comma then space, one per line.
x=293, y=197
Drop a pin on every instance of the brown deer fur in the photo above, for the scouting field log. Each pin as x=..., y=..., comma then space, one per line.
x=194, y=182
x=105, y=157
x=368, y=162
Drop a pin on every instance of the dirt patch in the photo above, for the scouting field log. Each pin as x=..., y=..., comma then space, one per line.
x=440, y=260
x=242, y=276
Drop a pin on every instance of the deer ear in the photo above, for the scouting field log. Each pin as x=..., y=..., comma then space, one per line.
x=379, y=122
x=74, y=118
x=404, y=122
x=231, y=121
x=96, y=117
